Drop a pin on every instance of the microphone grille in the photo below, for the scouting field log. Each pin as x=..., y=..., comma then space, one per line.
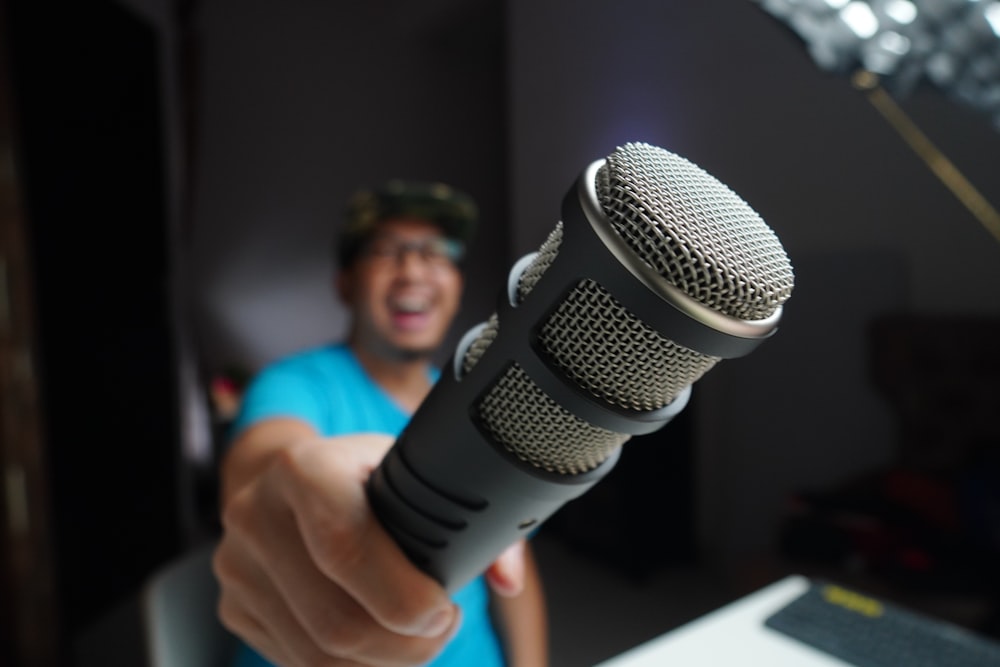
x=694, y=231
x=700, y=237
x=541, y=432
x=616, y=356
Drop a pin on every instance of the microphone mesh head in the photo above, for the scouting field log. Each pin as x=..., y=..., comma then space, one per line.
x=694, y=231
x=697, y=235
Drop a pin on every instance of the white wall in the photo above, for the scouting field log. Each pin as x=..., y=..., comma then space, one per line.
x=866, y=224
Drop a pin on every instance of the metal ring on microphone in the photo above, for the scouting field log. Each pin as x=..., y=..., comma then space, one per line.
x=698, y=327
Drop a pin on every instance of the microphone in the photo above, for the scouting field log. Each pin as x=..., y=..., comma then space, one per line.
x=655, y=273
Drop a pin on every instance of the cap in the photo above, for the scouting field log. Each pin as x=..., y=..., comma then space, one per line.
x=454, y=211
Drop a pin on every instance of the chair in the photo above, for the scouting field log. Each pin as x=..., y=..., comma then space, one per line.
x=178, y=605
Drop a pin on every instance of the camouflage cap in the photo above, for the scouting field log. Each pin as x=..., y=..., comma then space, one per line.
x=454, y=211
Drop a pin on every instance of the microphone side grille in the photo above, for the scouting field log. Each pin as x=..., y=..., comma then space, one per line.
x=522, y=418
x=601, y=346
x=694, y=231
x=614, y=355
x=481, y=343
x=526, y=281
x=546, y=255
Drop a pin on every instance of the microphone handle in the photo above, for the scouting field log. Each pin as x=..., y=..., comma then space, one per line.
x=494, y=451
x=453, y=500
x=451, y=496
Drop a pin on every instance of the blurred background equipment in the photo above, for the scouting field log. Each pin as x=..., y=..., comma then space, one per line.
x=951, y=44
x=890, y=47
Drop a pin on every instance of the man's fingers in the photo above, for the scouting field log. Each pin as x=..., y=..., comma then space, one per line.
x=240, y=621
x=506, y=574
x=251, y=607
x=349, y=545
x=304, y=530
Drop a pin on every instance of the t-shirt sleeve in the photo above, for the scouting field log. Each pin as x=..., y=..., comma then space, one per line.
x=278, y=392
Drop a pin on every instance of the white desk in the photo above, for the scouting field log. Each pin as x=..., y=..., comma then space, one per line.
x=732, y=636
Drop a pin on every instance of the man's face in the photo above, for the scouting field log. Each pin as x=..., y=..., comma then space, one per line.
x=404, y=289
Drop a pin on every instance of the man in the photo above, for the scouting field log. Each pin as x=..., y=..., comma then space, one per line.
x=308, y=576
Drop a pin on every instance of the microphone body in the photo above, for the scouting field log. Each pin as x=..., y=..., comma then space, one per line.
x=592, y=341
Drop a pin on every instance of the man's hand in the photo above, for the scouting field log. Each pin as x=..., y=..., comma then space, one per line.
x=308, y=576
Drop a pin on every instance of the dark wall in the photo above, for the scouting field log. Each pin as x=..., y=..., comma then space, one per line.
x=299, y=104
x=87, y=98
x=296, y=104
x=217, y=192
x=867, y=225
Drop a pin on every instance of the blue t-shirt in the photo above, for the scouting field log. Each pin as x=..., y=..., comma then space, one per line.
x=327, y=387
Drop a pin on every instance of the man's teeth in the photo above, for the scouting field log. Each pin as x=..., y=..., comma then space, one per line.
x=409, y=306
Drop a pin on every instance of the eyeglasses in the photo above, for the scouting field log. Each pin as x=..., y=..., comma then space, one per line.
x=436, y=251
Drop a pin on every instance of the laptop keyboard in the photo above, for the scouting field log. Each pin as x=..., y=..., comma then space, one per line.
x=867, y=632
